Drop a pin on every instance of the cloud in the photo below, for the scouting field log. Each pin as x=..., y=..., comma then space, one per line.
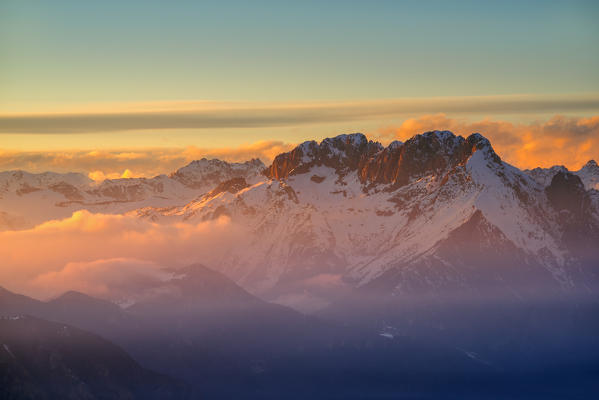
x=569, y=141
x=134, y=162
x=199, y=115
x=116, y=279
x=106, y=255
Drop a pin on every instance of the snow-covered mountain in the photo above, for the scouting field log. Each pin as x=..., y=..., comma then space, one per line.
x=28, y=199
x=439, y=212
x=589, y=174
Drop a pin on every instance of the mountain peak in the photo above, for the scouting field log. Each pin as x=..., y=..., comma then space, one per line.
x=77, y=299
x=343, y=153
x=479, y=142
x=591, y=164
x=395, y=145
x=429, y=152
x=206, y=173
x=355, y=139
x=73, y=295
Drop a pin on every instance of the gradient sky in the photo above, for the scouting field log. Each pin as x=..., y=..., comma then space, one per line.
x=75, y=56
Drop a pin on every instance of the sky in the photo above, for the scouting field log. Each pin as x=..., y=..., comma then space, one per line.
x=145, y=85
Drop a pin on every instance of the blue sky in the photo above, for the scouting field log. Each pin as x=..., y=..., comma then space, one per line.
x=115, y=56
x=73, y=51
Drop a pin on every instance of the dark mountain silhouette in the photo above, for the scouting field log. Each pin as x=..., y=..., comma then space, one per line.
x=48, y=360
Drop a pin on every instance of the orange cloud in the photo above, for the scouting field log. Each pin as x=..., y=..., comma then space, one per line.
x=563, y=140
x=568, y=141
x=133, y=163
x=115, y=278
x=98, y=253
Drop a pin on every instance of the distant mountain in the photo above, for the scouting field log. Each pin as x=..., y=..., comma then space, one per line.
x=47, y=360
x=73, y=308
x=28, y=199
x=438, y=213
x=589, y=174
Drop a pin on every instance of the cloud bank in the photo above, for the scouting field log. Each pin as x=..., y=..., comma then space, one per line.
x=106, y=255
x=559, y=141
x=201, y=115
x=100, y=164
x=570, y=141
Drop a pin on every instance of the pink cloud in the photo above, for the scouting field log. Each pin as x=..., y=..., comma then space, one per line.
x=97, y=252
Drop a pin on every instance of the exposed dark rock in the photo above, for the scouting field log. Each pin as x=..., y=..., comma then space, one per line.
x=232, y=186
x=68, y=191
x=566, y=192
x=344, y=153
x=431, y=152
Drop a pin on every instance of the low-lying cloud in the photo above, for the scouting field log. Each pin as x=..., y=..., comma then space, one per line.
x=119, y=279
x=106, y=255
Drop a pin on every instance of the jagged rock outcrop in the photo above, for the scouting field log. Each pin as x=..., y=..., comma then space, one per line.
x=344, y=153
x=430, y=152
x=232, y=186
x=580, y=228
x=566, y=193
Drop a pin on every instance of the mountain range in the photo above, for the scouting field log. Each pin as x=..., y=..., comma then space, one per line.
x=27, y=199
x=439, y=213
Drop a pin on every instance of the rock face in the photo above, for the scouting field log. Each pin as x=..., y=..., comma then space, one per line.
x=577, y=216
x=344, y=153
x=232, y=186
x=567, y=192
x=429, y=153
